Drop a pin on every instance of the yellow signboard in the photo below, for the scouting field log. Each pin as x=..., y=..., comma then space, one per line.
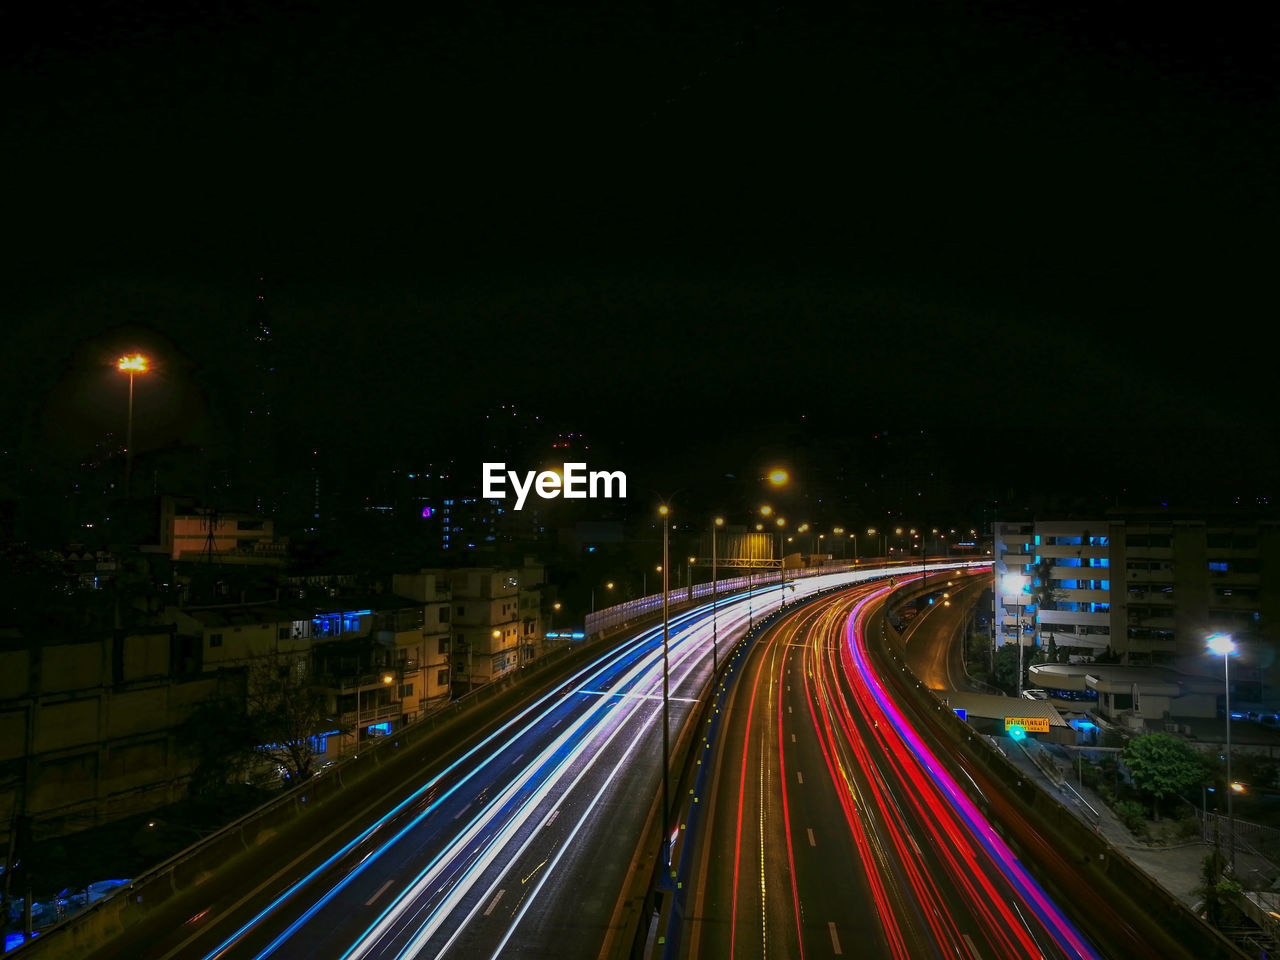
x=1029, y=724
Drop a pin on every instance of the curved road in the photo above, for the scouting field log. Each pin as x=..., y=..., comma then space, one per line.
x=833, y=830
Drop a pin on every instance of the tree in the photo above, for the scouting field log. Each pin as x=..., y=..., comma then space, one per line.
x=1006, y=675
x=220, y=737
x=1219, y=892
x=286, y=712
x=1162, y=766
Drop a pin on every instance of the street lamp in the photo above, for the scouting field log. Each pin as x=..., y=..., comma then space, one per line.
x=1222, y=645
x=715, y=663
x=607, y=586
x=665, y=512
x=782, y=562
x=1016, y=583
x=778, y=477
x=131, y=365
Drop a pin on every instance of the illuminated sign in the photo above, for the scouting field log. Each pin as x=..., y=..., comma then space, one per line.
x=1029, y=724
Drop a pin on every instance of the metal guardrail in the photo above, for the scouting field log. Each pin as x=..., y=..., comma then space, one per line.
x=621, y=614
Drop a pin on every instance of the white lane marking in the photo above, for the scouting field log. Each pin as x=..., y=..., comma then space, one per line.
x=793, y=738
x=812, y=842
x=637, y=696
x=973, y=949
x=800, y=776
x=835, y=940
x=788, y=708
x=381, y=890
x=552, y=819
x=494, y=902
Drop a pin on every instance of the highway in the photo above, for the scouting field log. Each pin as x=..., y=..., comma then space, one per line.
x=518, y=845
x=833, y=829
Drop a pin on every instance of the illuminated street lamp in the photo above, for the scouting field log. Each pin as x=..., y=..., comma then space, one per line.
x=1016, y=583
x=607, y=586
x=1222, y=645
x=779, y=477
x=664, y=511
x=715, y=664
x=132, y=365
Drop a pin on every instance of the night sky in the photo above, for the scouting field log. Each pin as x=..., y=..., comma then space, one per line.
x=1045, y=232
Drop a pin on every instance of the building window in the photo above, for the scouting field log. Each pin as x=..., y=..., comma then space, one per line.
x=444, y=646
x=215, y=639
x=442, y=678
x=460, y=613
x=406, y=691
x=282, y=633
x=444, y=614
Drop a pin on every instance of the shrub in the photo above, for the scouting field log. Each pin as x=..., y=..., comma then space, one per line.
x=1133, y=815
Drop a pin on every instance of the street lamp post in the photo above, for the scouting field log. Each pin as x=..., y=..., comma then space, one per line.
x=665, y=511
x=131, y=365
x=1224, y=646
x=782, y=564
x=715, y=660
x=1016, y=583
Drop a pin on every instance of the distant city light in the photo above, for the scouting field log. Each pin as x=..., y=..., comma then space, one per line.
x=426, y=513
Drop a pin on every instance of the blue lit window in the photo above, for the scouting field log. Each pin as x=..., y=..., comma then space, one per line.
x=1218, y=566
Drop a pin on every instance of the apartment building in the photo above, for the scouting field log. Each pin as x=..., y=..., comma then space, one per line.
x=88, y=724
x=1053, y=580
x=496, y=621
x=1186, y=577
x=1149, y=585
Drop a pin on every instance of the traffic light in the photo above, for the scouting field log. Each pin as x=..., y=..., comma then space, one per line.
x=1017, y=733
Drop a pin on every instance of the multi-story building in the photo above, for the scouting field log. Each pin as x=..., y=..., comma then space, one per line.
x=422, y=661
x=189, y=531
x=1074, y=557
x=1151, y=586
x=1185, y=577
x=496, y=621
x=88, y=725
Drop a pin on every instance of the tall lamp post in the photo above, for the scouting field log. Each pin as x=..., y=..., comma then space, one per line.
x=1016, y=583
x=715, y=659
x=782, y=561
x=665, y=512
x=131, y=365
x=1222, y=645
x=607, y=586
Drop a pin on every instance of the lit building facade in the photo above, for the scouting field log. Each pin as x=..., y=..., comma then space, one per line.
x=1075, y=558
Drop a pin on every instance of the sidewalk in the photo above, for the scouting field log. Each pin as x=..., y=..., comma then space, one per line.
x=1176, y=867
